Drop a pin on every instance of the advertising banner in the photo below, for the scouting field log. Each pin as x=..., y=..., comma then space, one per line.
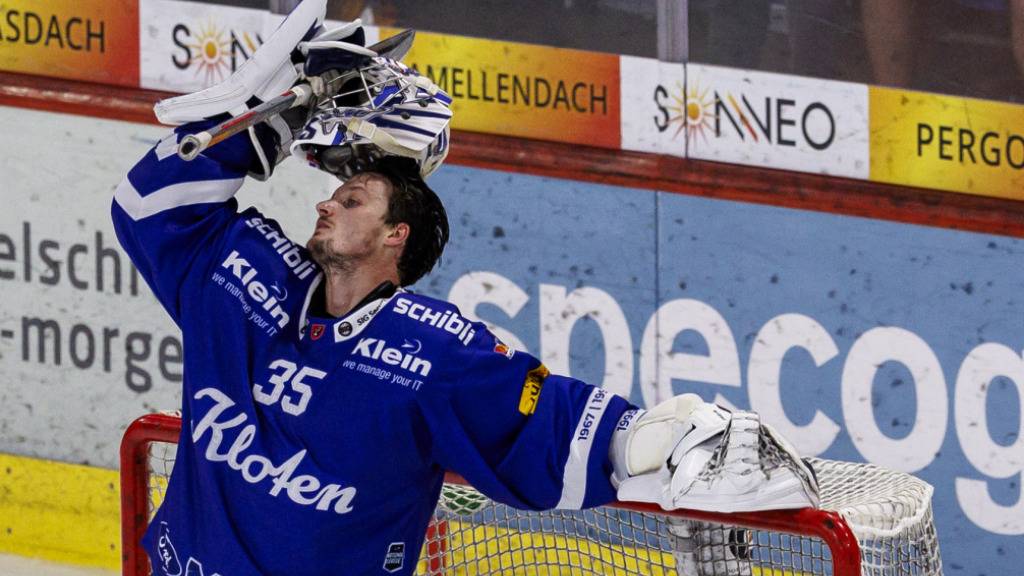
x=655, y=117
x=523, y=90
x=188, y=46
x=777, y=121
x=92, y=40
x=947, y=142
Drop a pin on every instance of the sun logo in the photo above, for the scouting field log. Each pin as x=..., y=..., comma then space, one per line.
x=210, y=52
x=690, y=111
x=699, y=114
x=213, y=51
x=674, y=111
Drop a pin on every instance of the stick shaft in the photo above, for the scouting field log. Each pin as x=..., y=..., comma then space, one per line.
x=191, y=146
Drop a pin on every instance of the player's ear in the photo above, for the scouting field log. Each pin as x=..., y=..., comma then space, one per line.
x=398, y=234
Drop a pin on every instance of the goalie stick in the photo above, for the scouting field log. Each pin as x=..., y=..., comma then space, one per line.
x=192, y=146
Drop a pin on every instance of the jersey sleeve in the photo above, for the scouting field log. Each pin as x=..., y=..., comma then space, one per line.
x=169, y=213
x=522, y=436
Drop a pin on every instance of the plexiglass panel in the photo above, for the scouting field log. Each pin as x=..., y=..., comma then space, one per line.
x=961, y=47
x=616, y=26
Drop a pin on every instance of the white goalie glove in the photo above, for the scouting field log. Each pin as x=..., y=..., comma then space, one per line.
x=687, y=453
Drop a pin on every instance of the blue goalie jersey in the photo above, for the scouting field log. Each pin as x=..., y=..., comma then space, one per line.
x=318, y=445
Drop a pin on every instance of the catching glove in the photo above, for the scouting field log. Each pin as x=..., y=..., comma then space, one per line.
x=686, y=453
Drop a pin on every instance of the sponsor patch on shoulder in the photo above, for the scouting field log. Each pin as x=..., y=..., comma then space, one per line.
x=503, y=349
x=531, y=390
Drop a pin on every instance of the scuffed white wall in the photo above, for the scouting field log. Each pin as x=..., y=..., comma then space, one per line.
x=118, y=353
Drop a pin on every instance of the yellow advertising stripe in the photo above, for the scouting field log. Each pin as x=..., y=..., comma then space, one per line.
x=523, y=90
x=476, y=550
x=60, y=512
x=947, y=143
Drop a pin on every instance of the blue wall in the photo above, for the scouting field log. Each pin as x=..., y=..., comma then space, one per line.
x=892, y=311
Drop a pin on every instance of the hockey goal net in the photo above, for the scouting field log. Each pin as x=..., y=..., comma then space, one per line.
x=872, y=522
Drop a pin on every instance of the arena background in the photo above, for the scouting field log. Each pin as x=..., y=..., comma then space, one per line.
x=841, y=256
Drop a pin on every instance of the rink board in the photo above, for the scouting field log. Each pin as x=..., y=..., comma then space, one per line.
x=61, y=512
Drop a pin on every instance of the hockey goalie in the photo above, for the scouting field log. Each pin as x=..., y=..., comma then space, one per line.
x=323, y=400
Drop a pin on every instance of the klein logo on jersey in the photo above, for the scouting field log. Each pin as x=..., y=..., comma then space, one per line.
x=531, y=389
x=257, y=290
x=290, y=253
x=449, y=321
x=377, y=349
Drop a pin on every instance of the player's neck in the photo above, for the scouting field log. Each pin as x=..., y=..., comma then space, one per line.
x=343, y=290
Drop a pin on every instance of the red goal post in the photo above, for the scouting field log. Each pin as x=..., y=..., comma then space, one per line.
x=471, y=534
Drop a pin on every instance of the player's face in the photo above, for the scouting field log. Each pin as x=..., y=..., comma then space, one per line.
x=351, y=223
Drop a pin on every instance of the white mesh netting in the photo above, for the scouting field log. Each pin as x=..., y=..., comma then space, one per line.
x=889, y=512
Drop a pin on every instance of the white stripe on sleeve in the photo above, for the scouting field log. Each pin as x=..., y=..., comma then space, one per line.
x=574, y=479
x=173, y=196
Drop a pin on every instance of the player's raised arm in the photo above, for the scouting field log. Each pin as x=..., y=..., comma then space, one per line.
x=169, y=214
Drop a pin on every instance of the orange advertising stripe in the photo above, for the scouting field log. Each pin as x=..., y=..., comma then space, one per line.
x=94, y=40
x=947, y=143
x=523, y=90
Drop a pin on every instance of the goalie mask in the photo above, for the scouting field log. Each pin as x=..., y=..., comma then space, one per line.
x=382, y=108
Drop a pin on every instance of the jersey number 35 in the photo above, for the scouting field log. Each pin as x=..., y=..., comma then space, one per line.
x=287, y=374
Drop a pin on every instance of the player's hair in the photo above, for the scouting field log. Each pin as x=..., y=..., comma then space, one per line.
x=413, y=202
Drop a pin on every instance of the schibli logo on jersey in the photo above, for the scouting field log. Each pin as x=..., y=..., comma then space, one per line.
x=448, y=320
x=290, y=253
x=258, y=291
x=377, y=349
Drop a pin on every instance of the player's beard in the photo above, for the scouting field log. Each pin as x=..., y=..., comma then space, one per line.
x=329, y=259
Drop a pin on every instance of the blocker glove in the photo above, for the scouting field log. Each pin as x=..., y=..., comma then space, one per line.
x=687, y=453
